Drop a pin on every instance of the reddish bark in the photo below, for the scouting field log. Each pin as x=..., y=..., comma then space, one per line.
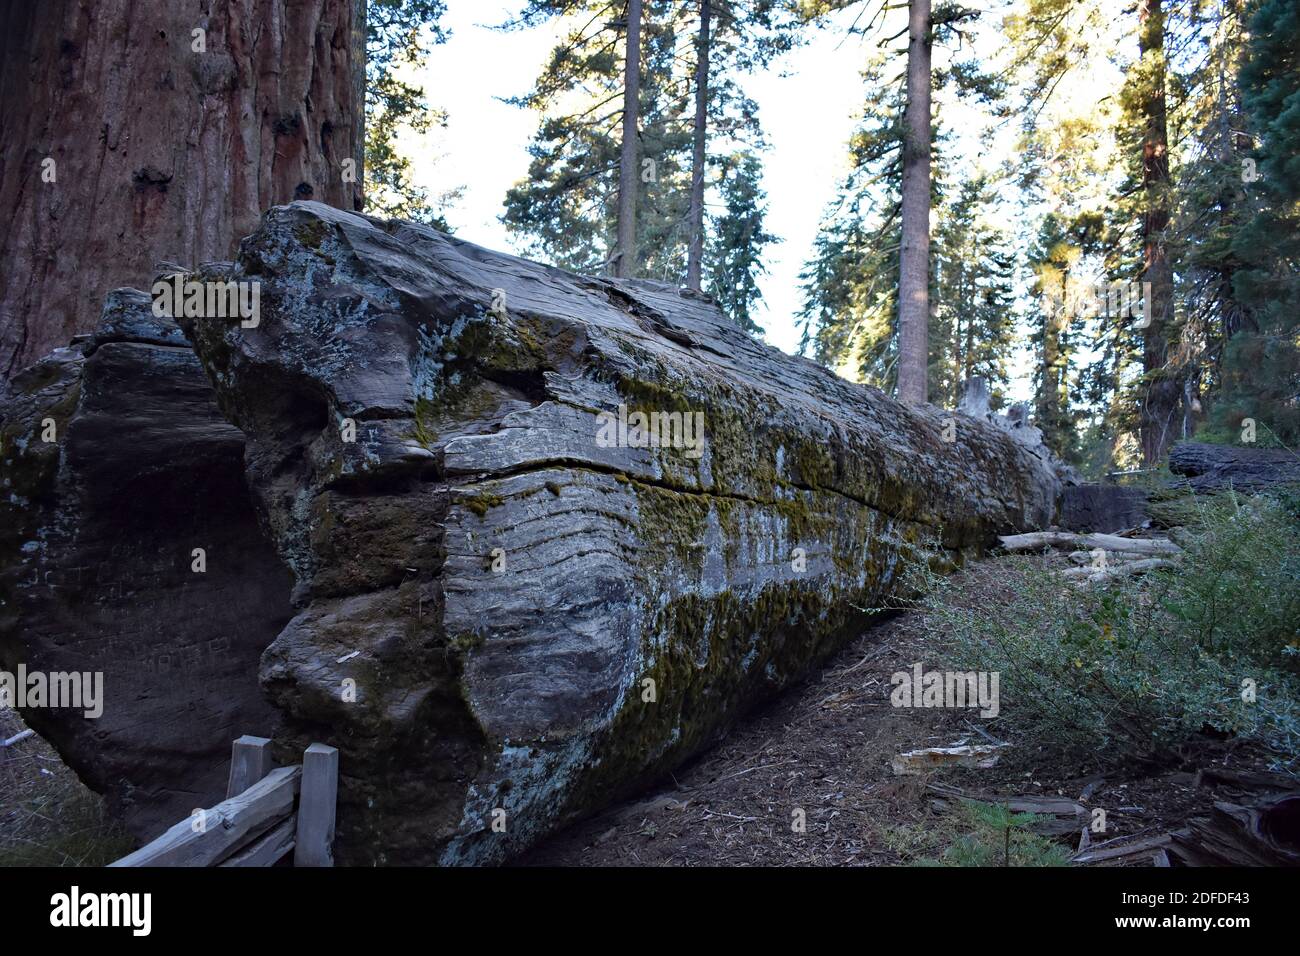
x=161, y=153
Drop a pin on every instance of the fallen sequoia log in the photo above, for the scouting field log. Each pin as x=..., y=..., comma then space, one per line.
x=551, y=534
x=1102, y=507
x=115, y=465
x=1212, y=467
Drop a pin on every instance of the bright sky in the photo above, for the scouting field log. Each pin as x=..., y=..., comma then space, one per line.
x=807, y=115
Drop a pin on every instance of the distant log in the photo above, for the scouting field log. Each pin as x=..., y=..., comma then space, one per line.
x=1213, y=467
x=1103, y=508
x=1039, y=540
x=552, y=534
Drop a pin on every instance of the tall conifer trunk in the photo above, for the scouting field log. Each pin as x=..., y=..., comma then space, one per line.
x=914, y=254
x=695, y=254
x=625, y=255
x=1162, y=391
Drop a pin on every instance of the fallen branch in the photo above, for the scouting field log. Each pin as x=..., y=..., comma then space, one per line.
x=1089, y=557
x=1057, y=815
x=1039, y=540
x=1113, y=853
x=980, y=756
x=1090, y=575
x=6, y=744
x=22, y=735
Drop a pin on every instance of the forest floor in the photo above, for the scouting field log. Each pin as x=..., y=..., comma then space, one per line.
x=48, y=817
x=824, y=748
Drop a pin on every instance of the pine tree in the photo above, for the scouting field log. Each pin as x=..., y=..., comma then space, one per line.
x=850, y=283
x=914, y=250
x=852, y=312
x=736, y=242
x=1146, y=95
x=566, y=211
x=624, y=260
x=1261, y=364
x=973, y=327
x=1211, y=202
x=396, y=35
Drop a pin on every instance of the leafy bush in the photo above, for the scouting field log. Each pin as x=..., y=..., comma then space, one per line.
x=1134, y=669
x=1239, y=596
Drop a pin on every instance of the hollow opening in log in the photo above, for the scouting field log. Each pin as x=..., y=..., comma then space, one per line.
x=137, y=555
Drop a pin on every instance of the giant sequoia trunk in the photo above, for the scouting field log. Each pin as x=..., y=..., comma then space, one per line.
x=506, y=601
x=124, y=145
x=516, y=594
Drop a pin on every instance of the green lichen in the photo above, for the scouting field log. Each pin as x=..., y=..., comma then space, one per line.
x=423, y=429
x=673, y=523
x=311, y=233
x=480, y=503
x=464, y=642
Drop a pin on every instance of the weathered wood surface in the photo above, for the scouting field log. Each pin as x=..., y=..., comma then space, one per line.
x=98, y=528
x=1102, y=508
x=1126, y=569
x=250, y=761
x=317, y=807
x=267, y=850
x=1258, y=830
x=1039, y=540
x=210, y=836
x=1212, y=467
x=503, y=619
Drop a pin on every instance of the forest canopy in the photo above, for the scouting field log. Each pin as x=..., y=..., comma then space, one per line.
x=1104, y=210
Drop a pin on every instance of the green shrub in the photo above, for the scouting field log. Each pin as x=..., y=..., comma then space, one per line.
x=1134, y=669
x=1239, y=595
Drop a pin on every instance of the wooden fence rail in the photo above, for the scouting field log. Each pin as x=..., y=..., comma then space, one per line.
x=268, y=813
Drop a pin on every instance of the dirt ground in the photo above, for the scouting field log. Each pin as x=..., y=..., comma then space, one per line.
x=824, y=748
x=47, y=816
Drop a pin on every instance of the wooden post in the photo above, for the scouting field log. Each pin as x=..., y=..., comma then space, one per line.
x=250, y=761
x=207, y=838
x=316, y=807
